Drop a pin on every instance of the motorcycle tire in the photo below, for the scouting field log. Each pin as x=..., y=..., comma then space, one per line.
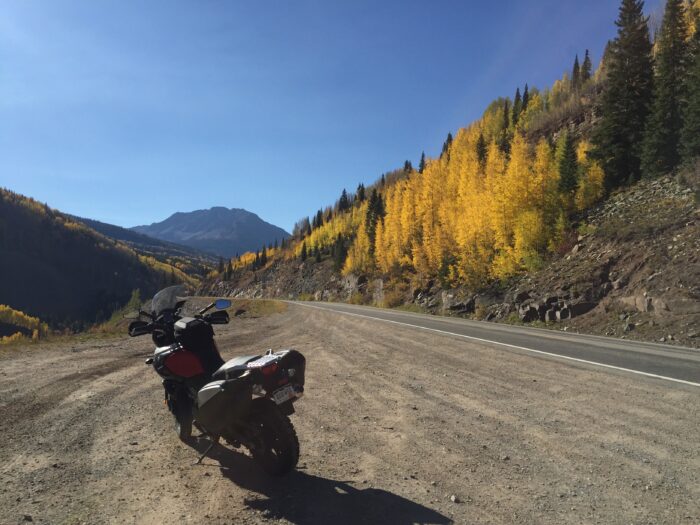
x=183, y=422
x=277, y=449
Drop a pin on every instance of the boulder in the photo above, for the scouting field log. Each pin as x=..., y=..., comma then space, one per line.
x=563, y=314
x=528, y=313
x=378, y=291
x=521, y=297
x=485, y=300
x=619, y=283
x=581, y=308
x=550, y=315
x=640, y=302
x=463, y=307
x=683, y=305
x=604, y=289
x=447, y=299
x=659, y=306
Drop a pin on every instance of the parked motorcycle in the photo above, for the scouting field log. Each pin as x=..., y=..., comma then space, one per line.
x=246, y=401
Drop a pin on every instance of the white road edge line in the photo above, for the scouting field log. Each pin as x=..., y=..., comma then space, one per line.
x=647, y=374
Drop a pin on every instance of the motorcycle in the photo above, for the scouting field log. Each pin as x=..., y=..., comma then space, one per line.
x=246, y=400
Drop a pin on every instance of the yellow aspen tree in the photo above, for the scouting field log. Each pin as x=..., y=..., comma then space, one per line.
x=408, y=222
x=380, y=251
x=359, y=259
x=545, y=184
x=591, y=183
x=529, y=239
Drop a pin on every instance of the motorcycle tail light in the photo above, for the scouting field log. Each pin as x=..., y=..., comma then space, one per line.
x=269, y=369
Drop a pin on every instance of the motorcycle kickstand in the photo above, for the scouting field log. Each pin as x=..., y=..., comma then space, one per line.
x=214, y=441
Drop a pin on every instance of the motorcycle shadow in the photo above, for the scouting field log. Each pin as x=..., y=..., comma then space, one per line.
x=305, y=499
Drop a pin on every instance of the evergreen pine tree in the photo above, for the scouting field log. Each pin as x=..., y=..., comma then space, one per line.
x=303, y=251
x=360, y=192
x=526, y=98
x=586, y=68
x=504, y=139
x=576, y=75
x=220, y=267
x=625, y=98
x=517, y=106
x=407, y=168
x=568, y=165
x=340, y=252
x=383, y=181
x=421, y=164
x=690, y=134
x=662, y=136
x=481, y=149
x=343, y=202
x=375, y=212
x=446, y=146
x=317, y=255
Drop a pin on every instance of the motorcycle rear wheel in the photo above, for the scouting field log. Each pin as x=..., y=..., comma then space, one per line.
x=277, y=447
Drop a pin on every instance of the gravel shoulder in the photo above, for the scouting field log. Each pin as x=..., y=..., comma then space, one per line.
x=395, y=421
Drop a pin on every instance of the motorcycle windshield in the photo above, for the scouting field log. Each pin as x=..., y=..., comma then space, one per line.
x=168, y=298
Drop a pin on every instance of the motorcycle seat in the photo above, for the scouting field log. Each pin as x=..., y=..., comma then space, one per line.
x=234, y=367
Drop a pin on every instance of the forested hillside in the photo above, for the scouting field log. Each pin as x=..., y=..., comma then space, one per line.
x=507, y=194
x=189, y=260
x=64, y=273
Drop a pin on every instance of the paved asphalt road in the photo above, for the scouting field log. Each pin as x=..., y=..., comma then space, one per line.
x=665, y=362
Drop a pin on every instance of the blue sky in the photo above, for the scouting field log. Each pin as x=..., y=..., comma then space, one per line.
x=127, y=111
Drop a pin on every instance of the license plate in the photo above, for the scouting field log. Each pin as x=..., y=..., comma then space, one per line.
x=284, y=394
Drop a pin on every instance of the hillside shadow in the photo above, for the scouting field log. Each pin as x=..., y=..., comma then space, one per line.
x=305, y=499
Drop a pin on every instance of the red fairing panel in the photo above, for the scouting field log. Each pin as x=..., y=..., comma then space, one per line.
x=184, y=364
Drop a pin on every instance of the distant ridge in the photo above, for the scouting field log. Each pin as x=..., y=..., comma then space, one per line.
x=218, y=230
x=143, y=242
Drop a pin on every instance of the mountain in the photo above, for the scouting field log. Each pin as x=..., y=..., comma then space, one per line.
x=161, y=250
x=221, y=231
x=65, y=273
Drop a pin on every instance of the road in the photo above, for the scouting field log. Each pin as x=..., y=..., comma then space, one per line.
x=666, y=362
x=395, y=421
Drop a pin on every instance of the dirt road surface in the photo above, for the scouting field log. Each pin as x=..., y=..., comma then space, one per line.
x=395, y=422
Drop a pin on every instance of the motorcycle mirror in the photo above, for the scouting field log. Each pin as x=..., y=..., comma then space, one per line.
x=222, y=304
x=131, y=315
x=137, y=328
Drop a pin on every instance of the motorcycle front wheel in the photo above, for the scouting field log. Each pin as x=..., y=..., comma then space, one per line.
x=277, y=446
